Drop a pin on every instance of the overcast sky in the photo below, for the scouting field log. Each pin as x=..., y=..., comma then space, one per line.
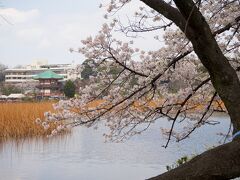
x=46, y=29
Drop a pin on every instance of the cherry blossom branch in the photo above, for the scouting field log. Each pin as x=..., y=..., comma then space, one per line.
x=168, y=11
x=227, y=27
x=182, y=104
x=173, y=62
x=124, y=66
x=201, y=119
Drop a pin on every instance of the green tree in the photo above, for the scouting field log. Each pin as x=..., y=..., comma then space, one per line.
x=87, y=71
x=69, y=89
x=2, y=72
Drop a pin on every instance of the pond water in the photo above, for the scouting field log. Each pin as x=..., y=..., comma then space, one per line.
x=84, y=155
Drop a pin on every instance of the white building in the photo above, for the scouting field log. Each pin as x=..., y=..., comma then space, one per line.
x=26, y=74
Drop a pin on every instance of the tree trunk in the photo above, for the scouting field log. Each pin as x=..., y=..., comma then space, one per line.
x=219, y=163
x=223, y=76
x=222, y=162
x=192, y=23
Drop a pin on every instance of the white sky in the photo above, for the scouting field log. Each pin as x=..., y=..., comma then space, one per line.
x=46, y=29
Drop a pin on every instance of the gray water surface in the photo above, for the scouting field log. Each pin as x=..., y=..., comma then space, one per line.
x=84, y=155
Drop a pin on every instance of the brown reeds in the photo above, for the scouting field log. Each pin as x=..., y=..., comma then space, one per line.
x=17, y=120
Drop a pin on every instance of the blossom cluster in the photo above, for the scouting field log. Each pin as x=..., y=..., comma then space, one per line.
x=149, y=85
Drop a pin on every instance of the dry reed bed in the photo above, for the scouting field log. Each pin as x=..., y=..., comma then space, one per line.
x=17, y=120
x=144, y=106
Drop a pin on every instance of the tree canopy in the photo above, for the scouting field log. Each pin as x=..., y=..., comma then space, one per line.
x=87, y=69
x=201, y=49
x=69, y=89
x=10, y=89
x=2, y=73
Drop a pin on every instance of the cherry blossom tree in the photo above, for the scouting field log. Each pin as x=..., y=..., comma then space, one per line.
x=186, y=80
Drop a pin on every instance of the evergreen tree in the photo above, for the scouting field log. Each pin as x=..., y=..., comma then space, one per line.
x=69, y=89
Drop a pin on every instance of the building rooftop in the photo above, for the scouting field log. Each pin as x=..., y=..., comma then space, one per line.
x=48, y=75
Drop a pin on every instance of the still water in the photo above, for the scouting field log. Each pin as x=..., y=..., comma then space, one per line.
x=84, y=155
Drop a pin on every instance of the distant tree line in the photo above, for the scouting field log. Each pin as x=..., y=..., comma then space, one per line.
x=2, y=72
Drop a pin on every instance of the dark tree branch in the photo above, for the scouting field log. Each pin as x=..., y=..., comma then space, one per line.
x=201, y=119
x=124, y=66
x=167, y=10
x=181, y=106
x=227, y=27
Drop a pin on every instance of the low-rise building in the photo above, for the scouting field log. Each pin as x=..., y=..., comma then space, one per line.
x=26, y=74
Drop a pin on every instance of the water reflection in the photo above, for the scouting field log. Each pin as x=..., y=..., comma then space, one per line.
x=84, y=155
